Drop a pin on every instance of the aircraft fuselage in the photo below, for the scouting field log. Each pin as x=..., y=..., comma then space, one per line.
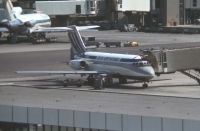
x=117, y=65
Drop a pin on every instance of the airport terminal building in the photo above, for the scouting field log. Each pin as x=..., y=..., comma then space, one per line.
x=142, y=13
x=150, y=12
x=31, y=109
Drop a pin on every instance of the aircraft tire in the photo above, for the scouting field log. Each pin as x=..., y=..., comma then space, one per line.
x=145, y=85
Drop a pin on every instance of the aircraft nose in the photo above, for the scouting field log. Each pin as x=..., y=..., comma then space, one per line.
x=149, y=71
x=152, y=72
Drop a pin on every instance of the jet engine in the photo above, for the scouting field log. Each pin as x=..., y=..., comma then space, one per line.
x=30, y=23
x=79, y=64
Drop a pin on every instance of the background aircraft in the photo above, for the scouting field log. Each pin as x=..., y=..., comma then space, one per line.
x=102, y=67
x=33, y=25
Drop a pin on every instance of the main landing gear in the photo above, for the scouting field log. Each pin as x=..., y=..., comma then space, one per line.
x=37, y=38
x=96, y=80
x=145, y=85
x=99, y=81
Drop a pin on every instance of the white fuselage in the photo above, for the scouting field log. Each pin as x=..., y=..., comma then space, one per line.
x=39, y=19
x=19, y=23
x=118, y=65
x=114, y=64
x=31, y=21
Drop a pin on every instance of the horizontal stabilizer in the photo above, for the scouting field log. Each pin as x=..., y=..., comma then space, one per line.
x=60, y=29
x=87, y=27
x=50, y=29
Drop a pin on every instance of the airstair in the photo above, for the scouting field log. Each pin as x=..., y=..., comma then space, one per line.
x=194, y=74
x=165, y=61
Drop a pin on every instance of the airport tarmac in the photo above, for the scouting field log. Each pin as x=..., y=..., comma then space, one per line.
x=174, y=101
x=171, y=95
x=115, y=35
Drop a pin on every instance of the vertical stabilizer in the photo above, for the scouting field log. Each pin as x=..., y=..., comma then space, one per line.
x=8, y=6
x=77, y=44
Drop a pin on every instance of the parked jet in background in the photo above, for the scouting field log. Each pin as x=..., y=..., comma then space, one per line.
x=33, y=25
x=102, y=67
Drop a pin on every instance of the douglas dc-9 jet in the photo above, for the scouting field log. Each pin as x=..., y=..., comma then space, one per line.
x=33, y=25
x=102, y=67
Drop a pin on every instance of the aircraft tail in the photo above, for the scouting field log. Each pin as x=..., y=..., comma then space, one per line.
x=8, y=6
x=77, y=44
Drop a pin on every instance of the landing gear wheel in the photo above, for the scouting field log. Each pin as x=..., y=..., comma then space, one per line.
x=37, y=38
x=145, y=85
x=108, y=81
x=90, y=80
x=99, y=82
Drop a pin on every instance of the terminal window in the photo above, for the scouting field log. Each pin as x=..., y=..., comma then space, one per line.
x=194, y=3
x=78, y=9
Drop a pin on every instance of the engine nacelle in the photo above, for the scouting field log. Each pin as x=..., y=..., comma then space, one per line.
x=79, y=64
x=30, y=23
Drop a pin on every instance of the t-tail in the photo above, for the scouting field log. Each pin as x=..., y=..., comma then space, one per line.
x=77, y=44
x=8, y=6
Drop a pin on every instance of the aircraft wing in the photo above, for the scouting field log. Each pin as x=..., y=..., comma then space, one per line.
x=58, y=72
x=87, y=27
x=49, y=29
x=60, y=29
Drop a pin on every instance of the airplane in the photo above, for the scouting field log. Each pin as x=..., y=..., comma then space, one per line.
x=102, y=67
x=33, y=25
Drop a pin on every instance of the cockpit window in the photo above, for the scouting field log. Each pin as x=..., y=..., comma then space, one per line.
x=141, y=63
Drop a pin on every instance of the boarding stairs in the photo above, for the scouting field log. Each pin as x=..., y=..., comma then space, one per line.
x=194, y=74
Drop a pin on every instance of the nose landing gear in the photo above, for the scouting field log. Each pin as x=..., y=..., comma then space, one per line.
x=145, y=85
